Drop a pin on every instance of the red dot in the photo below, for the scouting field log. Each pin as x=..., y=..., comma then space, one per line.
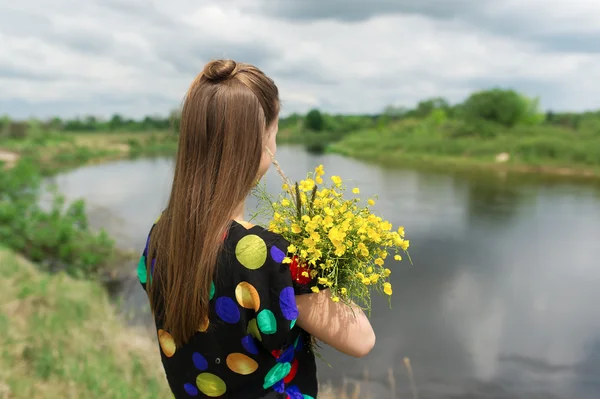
x=292, y=372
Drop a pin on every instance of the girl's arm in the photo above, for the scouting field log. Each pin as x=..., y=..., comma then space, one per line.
x=345, y=328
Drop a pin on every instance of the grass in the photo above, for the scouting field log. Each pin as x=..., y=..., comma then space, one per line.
x=540, y=149
x=61, y=338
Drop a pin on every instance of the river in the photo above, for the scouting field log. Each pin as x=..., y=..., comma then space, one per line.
x=500, y=303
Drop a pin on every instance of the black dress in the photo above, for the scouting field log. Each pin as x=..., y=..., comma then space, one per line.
x=250, y=346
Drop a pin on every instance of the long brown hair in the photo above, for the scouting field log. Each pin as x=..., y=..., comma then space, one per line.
x=226, y=113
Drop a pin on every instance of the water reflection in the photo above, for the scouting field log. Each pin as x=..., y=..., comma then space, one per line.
x=501, y=300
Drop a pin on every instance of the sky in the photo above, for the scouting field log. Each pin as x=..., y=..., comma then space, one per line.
x=137, y=57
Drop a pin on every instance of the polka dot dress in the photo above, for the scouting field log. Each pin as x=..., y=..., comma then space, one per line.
x=250, y=346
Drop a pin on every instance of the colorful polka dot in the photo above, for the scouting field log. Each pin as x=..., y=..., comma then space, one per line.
x=141, y=270
x=292, y=373
x=241, y=364
x=247, y=296
x=278, y=372
x=249, y=344
x=253, y=329
x=191, y=389
x=167, y=343
x=199, y=361
x=211, y=385
x=227, y=310
x=267, y=323
x=307, y=397
x=293, y=392
x=251, y=252
x=204, y=325
x=287, y=303
x=293, y=324
x=279, y=386
x=212, y=290
x=277, y=254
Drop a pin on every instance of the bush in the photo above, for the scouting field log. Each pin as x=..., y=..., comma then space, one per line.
x=506, y=107
x=17, y=130
x=58, y=238
x=314, y=120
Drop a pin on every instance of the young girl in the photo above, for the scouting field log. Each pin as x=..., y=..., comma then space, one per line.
x=230, y=321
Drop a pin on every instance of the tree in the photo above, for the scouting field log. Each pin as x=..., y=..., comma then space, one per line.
x=506, y=107
x=314, y=120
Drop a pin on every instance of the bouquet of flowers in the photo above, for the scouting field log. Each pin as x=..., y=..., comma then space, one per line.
x=335, y=242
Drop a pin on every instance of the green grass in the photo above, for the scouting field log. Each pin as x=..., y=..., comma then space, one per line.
x=60, y=338
x=531, y=148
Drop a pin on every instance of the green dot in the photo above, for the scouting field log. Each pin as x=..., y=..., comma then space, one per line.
x=266, y=322
x=212, y=290
x=307, y=397
x=277, y=373
x=141, y=270
x=292, y=324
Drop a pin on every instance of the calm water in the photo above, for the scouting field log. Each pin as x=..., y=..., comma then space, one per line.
x=501, y=303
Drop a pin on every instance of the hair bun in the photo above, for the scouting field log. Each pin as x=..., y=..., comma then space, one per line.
x=219, y=70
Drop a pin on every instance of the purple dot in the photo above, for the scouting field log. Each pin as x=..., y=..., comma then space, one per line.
x=227, y=310
x=249, y=343
x=293, y=392
x=287, y=356
x=199, y=361
x=287, y=302
x=277, y=254
x=279, y=386
x=190, y=389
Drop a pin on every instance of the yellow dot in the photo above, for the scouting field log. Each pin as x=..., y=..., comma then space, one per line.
x=253, y=329
x=210, y=385
x=241, y=364
x=167, y=343
x=247, y=296
x=251, y=252
x=204, y=325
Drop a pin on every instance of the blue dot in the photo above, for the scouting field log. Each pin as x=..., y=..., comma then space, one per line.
x=277, y=254
x=227, y=310
x=199, y=361
x=249, y=343
x=190, y=389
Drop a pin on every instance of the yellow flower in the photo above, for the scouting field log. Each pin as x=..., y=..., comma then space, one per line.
x=386, y=272
x=374, y=278
x=305, y=218
x=398, y=258
x=319, y=171
x=286, y=260
x=296, y=229
x=323, y=280
x=405, y=244
x=285, y=187
x=292, y=249
x=379, y=262
x=319, y=180
x=315, y=289
x=371, y=202
x=336, y=180
x=285, y=202
x=344, y=291
x=401, y=231
x=356, y=190
x=305, y=274
x=387, y=288
x=335, y=299
x=306, y=185
x=366, y=281
x=369, y=269
x=360, y=275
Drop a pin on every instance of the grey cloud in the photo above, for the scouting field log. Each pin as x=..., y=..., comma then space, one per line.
x=358, y=10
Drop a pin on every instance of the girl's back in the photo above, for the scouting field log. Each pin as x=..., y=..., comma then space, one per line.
x=249, y=345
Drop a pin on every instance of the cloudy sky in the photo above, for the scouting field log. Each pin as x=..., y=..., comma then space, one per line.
x=137, y=57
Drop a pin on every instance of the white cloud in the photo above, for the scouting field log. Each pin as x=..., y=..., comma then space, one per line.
x=132, y=57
